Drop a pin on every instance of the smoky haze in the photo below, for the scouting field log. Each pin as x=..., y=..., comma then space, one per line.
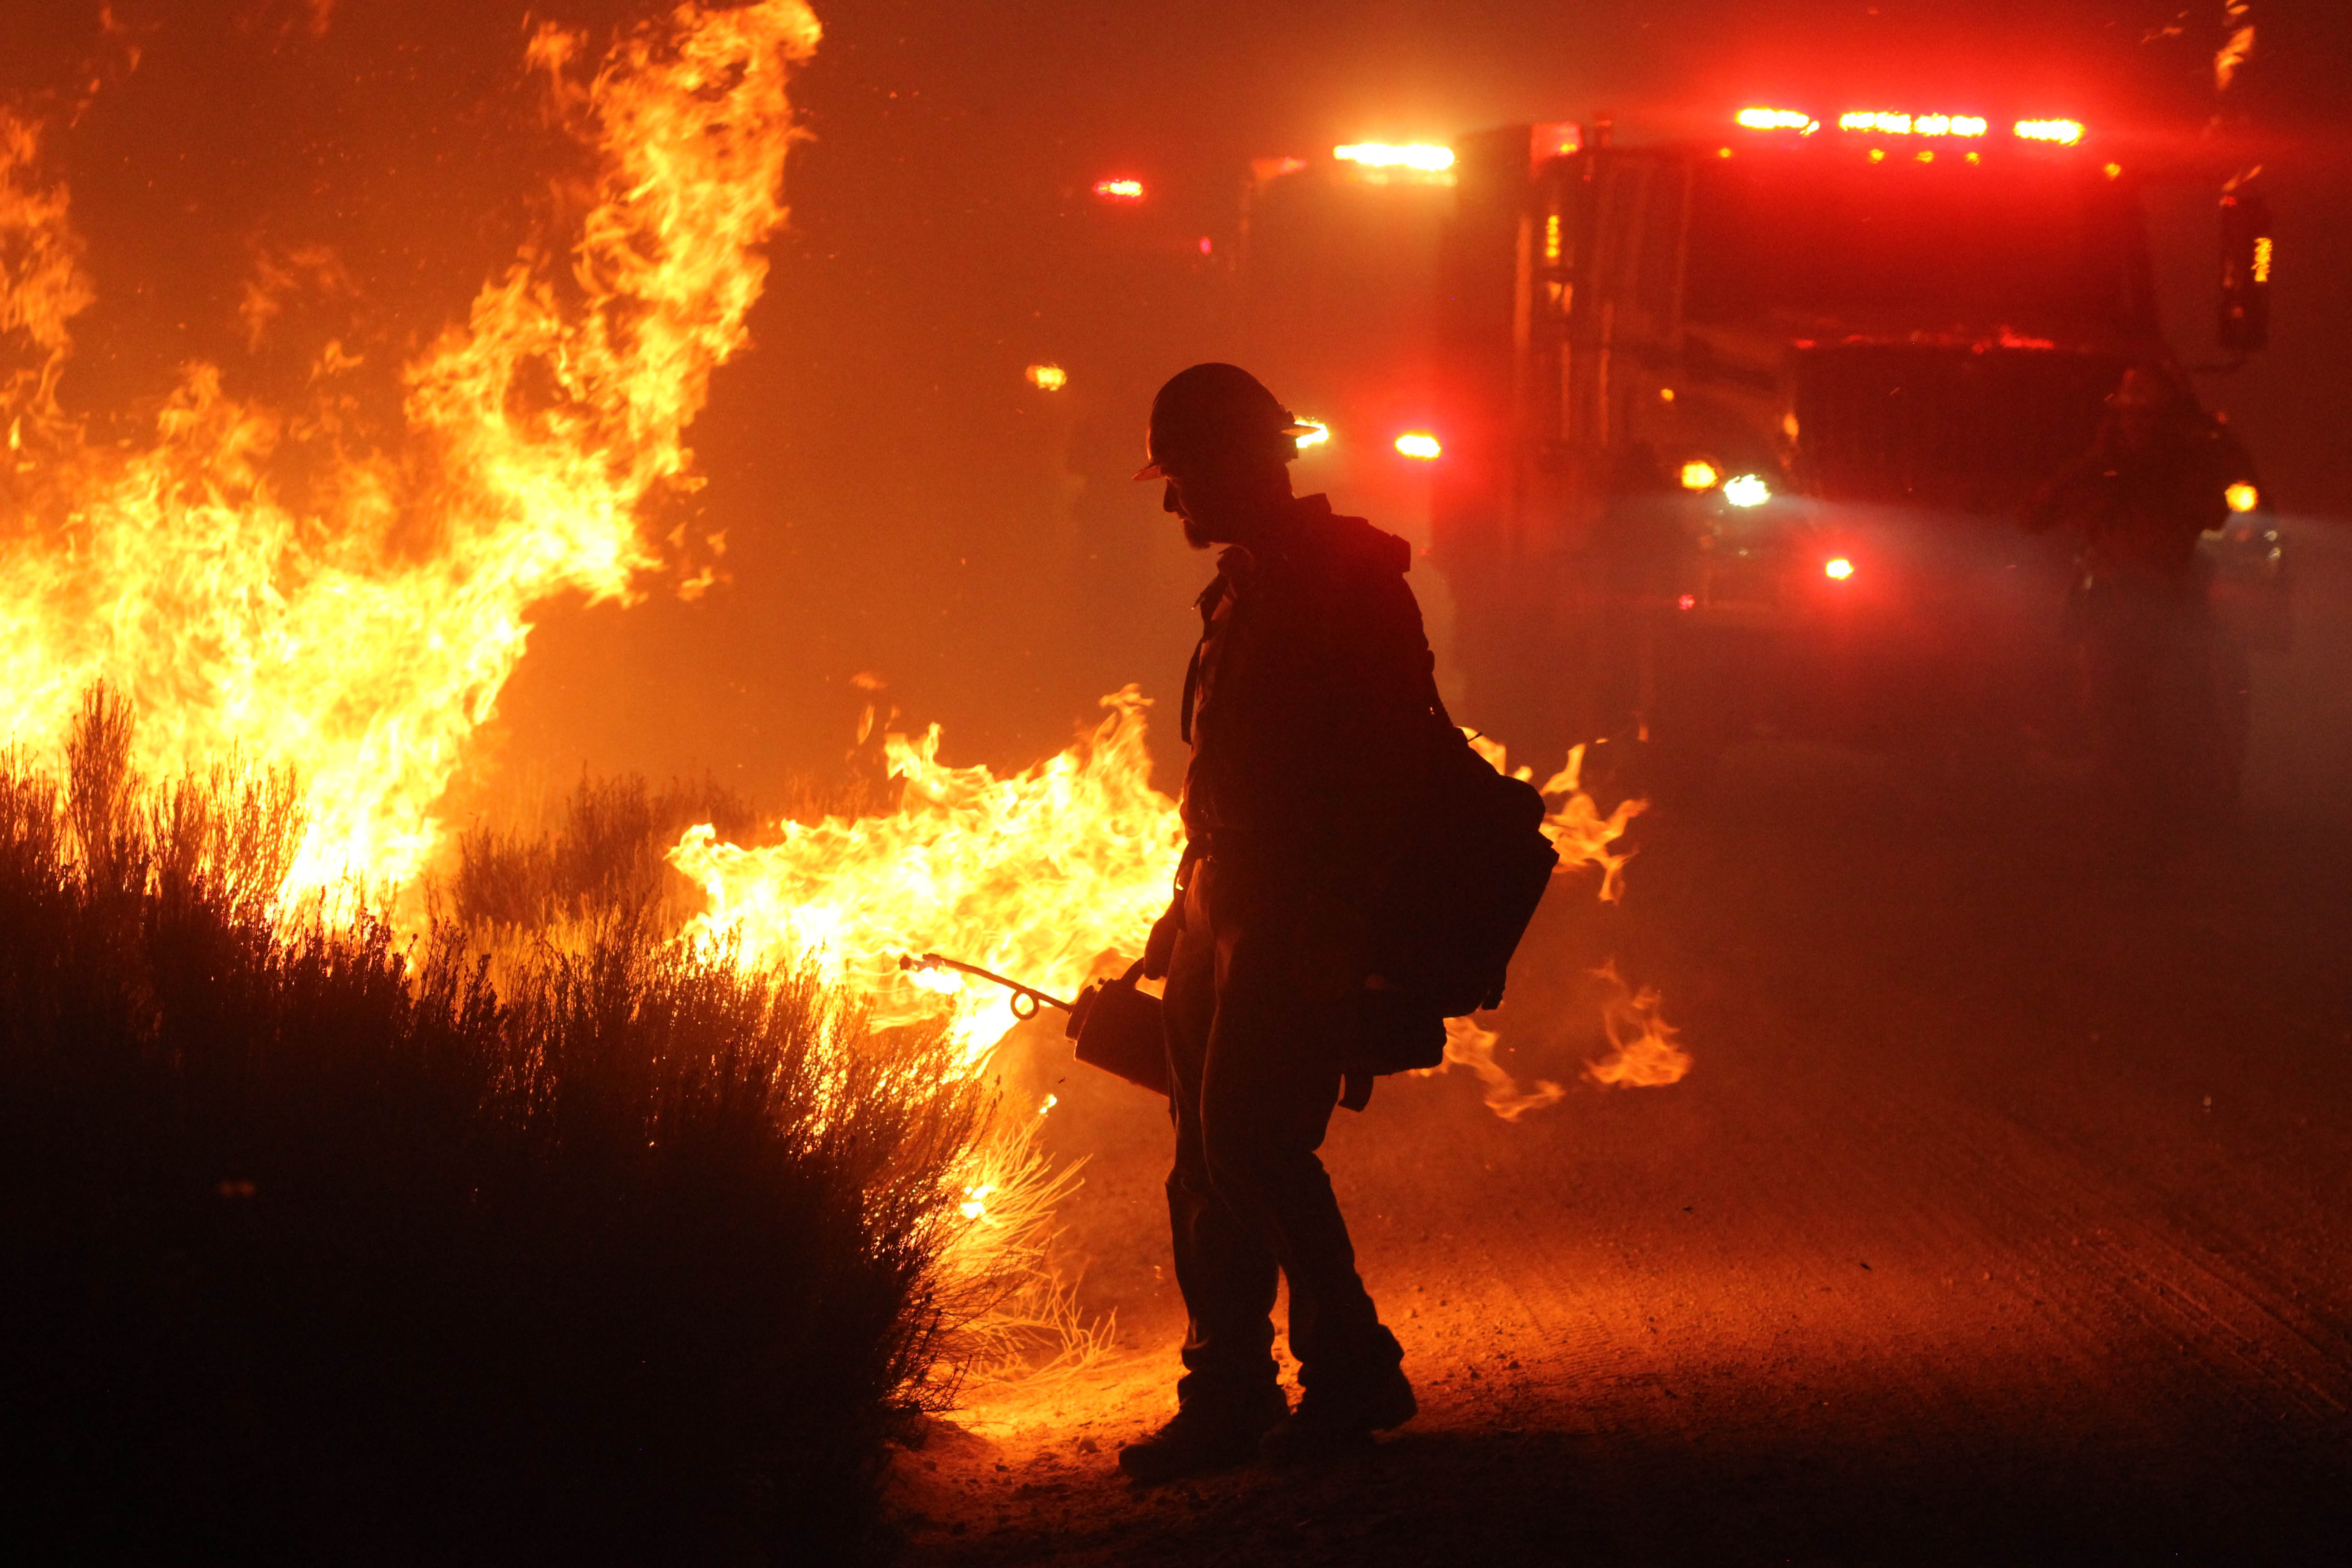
x=896, y=500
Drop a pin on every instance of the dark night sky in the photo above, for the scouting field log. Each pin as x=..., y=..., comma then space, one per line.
x=897, y=499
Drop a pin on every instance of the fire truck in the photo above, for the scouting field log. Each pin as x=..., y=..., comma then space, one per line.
x=1738, y=432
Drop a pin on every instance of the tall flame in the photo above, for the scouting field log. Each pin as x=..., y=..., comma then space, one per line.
x=362, y=632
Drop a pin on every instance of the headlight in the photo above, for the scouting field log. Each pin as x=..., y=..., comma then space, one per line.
x=1747, y=490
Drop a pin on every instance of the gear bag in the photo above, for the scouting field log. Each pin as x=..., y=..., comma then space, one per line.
x=1466, y=882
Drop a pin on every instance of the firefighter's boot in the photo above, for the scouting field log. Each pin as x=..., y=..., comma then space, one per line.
x=1333, y=1422
x=1204, y=1436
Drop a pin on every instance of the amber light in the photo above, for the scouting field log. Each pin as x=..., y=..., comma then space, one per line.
x=1418, y=444
x=2243, y=497
x=1120, y=190
x=1839, y=568
x=1698, y=474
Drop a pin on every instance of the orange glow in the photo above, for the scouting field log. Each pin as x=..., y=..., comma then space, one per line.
x=1878, y=154
x=1698, y=474
x=359, y=626
x=2243, y=497
x=1839, y=568
x=2065, y=132
x=1120, y=190
x=1048, y=377
x=1777, y=119
x=1687, y=602
x=2261, y=259
x=1418, y=444
x=1420, y=157
x=2114, y=171
x=1556, y=138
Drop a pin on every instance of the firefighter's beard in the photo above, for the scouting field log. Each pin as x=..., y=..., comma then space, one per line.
x=1229, y=508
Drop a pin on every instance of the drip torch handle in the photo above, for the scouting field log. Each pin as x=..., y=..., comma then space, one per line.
x=1027, y=999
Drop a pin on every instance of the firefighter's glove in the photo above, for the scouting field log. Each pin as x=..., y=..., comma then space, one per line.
x=1159, y=952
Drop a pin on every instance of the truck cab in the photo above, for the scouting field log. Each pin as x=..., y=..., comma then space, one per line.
x=1742, y=432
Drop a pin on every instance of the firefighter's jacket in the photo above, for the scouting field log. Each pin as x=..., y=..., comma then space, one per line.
x=1309, y=704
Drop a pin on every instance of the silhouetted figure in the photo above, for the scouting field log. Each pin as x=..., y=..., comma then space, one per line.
x=1309, y=706
x=2155, y=478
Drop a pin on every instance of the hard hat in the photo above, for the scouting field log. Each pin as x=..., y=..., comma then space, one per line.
x=1213, y=408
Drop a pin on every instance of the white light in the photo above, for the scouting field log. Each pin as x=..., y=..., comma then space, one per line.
x=1840, y=568
x=1316, y=434
x=1421, y=155
x=1747, y=490
x=1418, y=444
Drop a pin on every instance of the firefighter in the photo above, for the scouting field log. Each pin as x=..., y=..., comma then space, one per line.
x=1305, y=705
x=2155, y=478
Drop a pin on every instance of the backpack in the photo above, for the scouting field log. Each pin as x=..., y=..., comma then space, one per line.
x=1467, y=881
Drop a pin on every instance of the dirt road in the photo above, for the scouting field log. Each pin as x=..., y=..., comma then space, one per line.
x=2003, y=1218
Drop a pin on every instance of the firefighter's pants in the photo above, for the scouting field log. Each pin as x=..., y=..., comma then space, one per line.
x=1258, y=1003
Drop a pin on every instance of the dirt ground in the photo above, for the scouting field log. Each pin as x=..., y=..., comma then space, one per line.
x=2002, y=1218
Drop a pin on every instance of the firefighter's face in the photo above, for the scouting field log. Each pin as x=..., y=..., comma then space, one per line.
x=1225, y=501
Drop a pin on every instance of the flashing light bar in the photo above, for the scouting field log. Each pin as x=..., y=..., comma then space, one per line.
x=2065, y=132
x=1120, y=190
x=1887, y=122
x=1795, y=119
x=1419, y=444
x=1913, y=124
x=1420, y=155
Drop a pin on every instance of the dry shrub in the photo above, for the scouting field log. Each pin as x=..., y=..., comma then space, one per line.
x=320, y=1247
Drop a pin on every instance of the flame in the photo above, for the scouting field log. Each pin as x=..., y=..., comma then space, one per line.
x=1643, y=1053
x=361, y=627
x=1468, y=1046
x=1575, y=826
x=1039, y=875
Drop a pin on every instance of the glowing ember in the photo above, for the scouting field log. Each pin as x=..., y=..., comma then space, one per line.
x=362, y=632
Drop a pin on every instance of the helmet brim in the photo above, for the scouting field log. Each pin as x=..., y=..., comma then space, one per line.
x=1156, y=468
